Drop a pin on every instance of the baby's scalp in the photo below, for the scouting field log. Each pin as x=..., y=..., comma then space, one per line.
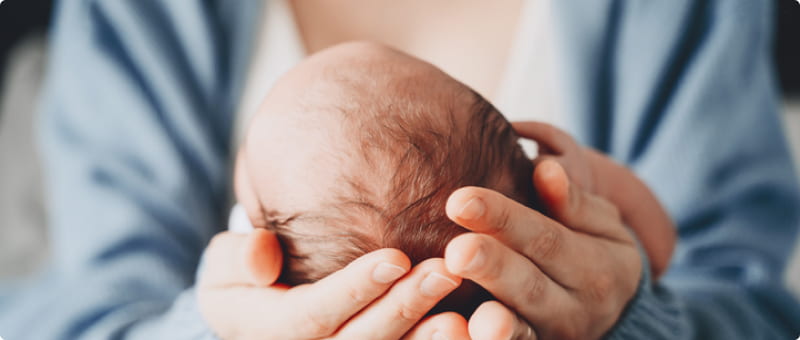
x=375, y=140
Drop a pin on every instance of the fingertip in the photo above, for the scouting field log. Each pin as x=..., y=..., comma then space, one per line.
x=391, y=256
x=552, y=183
x=463, y=253
x=465, y=204
x=491, y=321
x=437, y=281
x=263, y=257
x=437, y=265
x=550, y=170
x=392, y=264
x=443, y=326
x=450, y=326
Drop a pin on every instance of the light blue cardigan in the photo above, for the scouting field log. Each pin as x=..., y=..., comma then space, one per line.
x=136, y=130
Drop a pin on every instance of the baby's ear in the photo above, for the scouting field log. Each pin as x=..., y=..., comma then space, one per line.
x=245, y=192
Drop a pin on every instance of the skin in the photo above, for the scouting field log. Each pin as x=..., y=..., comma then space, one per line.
x=599, y=175
x=535, y=265
x=537, y=302
x=297, y=148
x=239, y=301
x=417, y=27
x=455, y=36
x=394, y=298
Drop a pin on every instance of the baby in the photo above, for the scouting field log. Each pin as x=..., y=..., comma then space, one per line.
x=358, y=148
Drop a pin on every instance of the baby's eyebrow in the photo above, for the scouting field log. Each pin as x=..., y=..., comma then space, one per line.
x=275, y=218
x=280, y=222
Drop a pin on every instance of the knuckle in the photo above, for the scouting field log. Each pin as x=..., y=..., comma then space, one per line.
x=357, y=296
x=494, y=266
x=490, y=273
x=575, y=210
x=611, y=209
x=501, y=221
x=600, y=287
x=410, y=313
x=317, y=325
x=546, y=245
x=534, y=291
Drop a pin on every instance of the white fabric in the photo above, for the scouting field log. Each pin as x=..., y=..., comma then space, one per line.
x=278, y=47
x=238, y=222
x=527, y=90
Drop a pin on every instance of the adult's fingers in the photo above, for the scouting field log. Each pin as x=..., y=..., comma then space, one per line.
x=395, y=313
x=492, y=321
x=576, y=208
x=243, y=312
x=325, y=305
x=490, y=212
x=242, y=259
x=549, y=138
x=444, y=326
x=507, y=275
x=551, y=246
x=602, y=232
x=309, y=311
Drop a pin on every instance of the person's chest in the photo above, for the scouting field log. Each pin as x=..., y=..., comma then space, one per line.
x=516, y=76
x=470, y=40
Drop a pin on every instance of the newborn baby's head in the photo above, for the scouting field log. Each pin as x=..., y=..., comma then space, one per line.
x=358, y=148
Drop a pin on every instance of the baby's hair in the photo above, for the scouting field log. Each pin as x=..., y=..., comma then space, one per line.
x=409, y=157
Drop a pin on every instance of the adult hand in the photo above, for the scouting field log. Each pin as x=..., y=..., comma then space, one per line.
x=375, y=297
x=598, y=174
x=568, y=276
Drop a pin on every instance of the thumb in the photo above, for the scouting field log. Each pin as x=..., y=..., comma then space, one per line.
x=237, y=259
x=263, y=257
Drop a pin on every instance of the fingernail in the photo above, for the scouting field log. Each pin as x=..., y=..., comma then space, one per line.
x=478, y=260
x=551, y=168
x=439, y=336
x=473, y=209
x=436, y=285
x=387, y=272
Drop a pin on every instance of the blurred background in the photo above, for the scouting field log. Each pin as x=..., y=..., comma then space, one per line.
x=23, y=49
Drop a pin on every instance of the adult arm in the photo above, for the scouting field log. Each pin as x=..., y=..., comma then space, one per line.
x=135, y=133
x=693, y=110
